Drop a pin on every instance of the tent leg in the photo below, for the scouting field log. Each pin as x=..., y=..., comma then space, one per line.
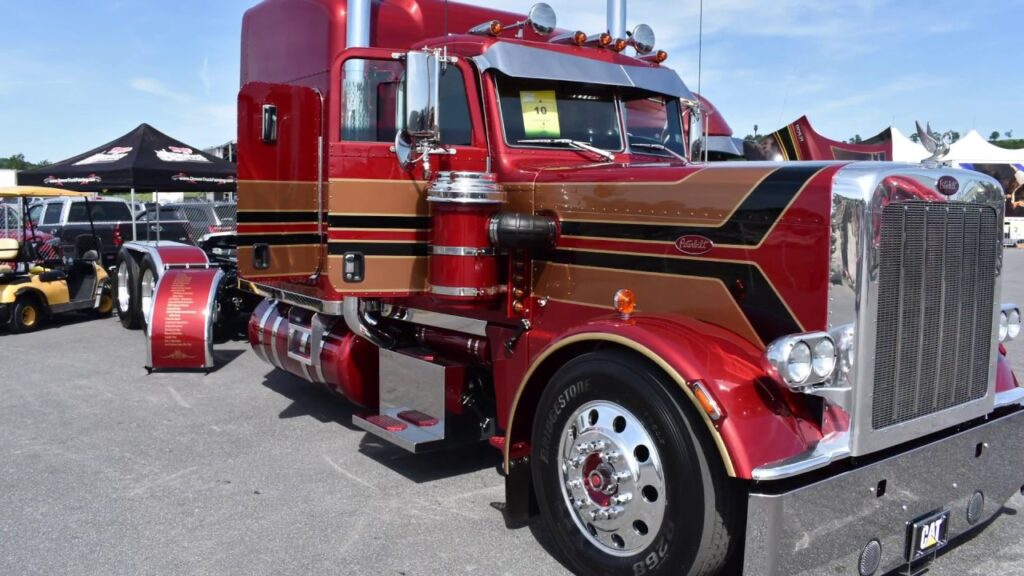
x=134, y=226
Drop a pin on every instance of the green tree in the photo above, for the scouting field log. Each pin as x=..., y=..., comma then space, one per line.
x=954, y=135
x=994, y=136
x=856, y=139
x=1008, y=134
x=915, y=137
x=18, y=162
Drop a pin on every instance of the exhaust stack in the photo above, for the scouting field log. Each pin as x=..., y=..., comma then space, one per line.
x=357, y=25
x=617, y=19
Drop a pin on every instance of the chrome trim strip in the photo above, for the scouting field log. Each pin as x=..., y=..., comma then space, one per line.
x=211, y=316
x=329, y=307
x=461, y=251
x=363, y=324
x=463, y=291
x=262, y=326
x=275, y=357
x=1010, y=397
x=828, y=450
x=438, y=320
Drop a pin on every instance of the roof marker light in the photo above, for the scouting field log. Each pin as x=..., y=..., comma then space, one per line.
x=492, y=28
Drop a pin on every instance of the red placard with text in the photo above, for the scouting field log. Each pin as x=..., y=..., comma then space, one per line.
x=180, y=332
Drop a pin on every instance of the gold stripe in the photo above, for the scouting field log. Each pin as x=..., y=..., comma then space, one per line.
x=598, y=336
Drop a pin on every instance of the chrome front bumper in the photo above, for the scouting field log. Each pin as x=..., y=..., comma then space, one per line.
x=822, y=528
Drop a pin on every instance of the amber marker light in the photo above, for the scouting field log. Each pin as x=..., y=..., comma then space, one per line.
x=495, y=27
x=707, y=403
x=624, y=302
x=579, y=38
x=658, y=57
x=620, y=45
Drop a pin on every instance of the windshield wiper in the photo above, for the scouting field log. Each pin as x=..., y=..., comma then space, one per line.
x=653, y=146
x=568, y=142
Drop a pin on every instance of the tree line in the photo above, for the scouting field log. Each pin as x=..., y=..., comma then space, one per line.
x=18, y=162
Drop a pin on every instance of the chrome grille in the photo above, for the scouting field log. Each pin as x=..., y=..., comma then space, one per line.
x=937, y=274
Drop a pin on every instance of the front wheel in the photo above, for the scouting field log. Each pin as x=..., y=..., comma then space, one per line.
x=26, y=315
x=622, y=474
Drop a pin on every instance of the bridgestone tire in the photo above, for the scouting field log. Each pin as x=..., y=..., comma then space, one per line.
x=700, y=509
x=147, y=265
x=128, y=312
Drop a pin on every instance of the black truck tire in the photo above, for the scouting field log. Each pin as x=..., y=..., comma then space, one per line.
x=27, y=315
x=149, y=275
x=126, y=291
x=626, y=475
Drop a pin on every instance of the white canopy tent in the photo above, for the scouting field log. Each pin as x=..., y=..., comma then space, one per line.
x=904, y=149
x=974, y=149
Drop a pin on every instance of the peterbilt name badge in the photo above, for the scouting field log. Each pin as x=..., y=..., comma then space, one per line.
x=948, y=185
x=694, y=245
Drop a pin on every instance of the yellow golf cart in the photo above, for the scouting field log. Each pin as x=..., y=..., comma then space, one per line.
x=40, y=277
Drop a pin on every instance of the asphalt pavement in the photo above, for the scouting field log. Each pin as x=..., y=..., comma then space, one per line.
x=107, y=471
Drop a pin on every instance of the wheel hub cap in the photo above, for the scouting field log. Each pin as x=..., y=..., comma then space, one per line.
x=612, y=479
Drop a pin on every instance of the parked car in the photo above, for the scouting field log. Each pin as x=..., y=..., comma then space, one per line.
x=67, y=218
x=204, y=218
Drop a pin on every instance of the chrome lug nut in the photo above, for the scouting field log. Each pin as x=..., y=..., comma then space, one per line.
x=623, y=498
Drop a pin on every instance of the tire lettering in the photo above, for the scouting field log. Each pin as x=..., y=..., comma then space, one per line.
x=567, y=395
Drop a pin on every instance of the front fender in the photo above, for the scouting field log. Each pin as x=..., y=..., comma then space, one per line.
x=759, y=424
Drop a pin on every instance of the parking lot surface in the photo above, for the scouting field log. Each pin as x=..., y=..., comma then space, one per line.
x=108, y=471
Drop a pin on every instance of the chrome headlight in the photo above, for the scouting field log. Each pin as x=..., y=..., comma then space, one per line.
x=801, y=360
x=1009, y=322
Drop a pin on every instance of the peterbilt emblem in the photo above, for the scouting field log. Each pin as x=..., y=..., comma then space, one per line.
x=694, y=245
x=948, y=185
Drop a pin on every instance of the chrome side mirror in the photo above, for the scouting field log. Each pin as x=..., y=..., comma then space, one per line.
x=542, y=19
x=404, y=150
x=422, y=75
x=695, y=133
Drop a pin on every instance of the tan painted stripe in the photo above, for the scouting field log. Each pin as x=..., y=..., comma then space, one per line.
x=277, y=196
x=378, y=197
x=383, y=274
x=707, y=198
x=706, y=299
x=285, y=260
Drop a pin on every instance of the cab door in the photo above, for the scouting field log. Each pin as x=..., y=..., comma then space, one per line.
x=379, y=217
x=280, y=200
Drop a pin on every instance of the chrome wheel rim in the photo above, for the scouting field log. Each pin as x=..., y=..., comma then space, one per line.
x=612, y=478
x=123, y=295
x=146, y=293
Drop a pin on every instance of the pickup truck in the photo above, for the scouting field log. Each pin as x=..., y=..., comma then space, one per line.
x=66, y=219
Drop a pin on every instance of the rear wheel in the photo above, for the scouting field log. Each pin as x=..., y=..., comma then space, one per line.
x=148, y=277
x=26, y=316
x=126, y=291
x=622, y=476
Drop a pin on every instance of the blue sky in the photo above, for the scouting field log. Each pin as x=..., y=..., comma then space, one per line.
x=77, y=73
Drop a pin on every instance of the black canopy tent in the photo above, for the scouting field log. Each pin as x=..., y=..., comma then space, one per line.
x=143, y=160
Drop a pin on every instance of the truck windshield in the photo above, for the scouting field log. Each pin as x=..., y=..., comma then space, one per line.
x=547, y=110
x=654, y=126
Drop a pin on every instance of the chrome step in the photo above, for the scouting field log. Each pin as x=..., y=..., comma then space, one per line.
x=399, y=427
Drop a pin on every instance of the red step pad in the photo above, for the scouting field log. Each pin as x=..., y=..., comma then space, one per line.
x=417, y=418
x=387, y=422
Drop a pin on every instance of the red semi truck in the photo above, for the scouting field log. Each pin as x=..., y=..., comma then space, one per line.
x=482, y=228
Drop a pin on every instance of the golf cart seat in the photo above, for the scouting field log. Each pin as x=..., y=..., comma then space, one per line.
x=53, y=276
x=9, y=249
x=85, y=243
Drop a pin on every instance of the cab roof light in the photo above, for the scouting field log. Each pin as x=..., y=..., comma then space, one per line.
x=657, y=58
x=603, y=40
x=492, y=28
x=579, y=38
x=619, y=45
